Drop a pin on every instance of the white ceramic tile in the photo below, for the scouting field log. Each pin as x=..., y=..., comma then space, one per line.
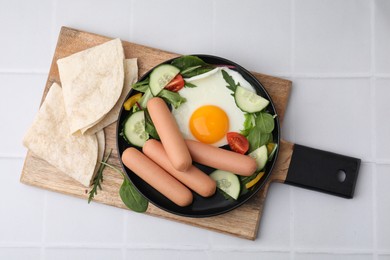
x=234, y=255
x=325, y=221
x=20, y=253
x=72, y=220
x=333, y=114
x=382, y=94
x=332, y=256
x=82, y=254
x=153, y=254
x=25, y=27
x=21, y=206
x=383, y=207
x=142, y=229
x=274, y=230
x=19, y=103
x=109, y=18
x=255, y=34
x=332, y=36
x=172, y=25
x=382, y=36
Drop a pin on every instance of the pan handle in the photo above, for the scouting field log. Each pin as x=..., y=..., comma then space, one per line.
x=323, y=171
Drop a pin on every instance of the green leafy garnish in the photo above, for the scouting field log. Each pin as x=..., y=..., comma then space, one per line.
x=260, y=132
x=130, y=195
x=98, y=179
x=189, y=85
x=230, y=81
x=191, y=66
x=172, y=98
x=149, y=126
x=249, y=123
x=141, y=86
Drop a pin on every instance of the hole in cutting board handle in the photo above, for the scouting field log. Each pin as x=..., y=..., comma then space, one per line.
x=315, y=169
x=341, y=175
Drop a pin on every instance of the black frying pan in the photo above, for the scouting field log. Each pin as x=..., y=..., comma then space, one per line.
x=309, y=168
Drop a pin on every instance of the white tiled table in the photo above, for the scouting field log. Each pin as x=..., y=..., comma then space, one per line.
x=337, y=53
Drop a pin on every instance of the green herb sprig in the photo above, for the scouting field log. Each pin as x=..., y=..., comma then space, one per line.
x=97, y=181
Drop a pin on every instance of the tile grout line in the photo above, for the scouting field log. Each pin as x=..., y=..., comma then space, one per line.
x=373, y=129
x=131, y=22
x=292, y=69
x=213, y=25
x=44, y=217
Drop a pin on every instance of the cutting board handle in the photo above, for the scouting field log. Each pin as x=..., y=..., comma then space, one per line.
x=317, y=170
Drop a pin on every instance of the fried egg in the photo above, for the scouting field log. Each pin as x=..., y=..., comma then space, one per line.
x=210, y=111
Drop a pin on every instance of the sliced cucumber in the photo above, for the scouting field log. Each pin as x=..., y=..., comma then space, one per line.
x=161, y=76
x=134, y=129
x=261, y=156
x=249, y=101
x=228, y=182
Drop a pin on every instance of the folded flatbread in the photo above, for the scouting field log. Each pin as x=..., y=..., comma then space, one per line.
x=131, y=76
x=49, y=138
x=92, y=82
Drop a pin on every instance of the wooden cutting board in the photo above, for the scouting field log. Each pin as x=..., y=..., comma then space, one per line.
x=242, y=222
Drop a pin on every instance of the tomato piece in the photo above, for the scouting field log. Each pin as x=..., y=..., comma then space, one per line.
x=237, y=142
x=176, y=83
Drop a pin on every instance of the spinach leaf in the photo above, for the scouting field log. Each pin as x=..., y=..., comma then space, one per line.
x=131, y=197
x=230, y=81
x=141, y=86
x=172, y=98
x=129, y=194
x=188, y=61
x=265, y=122
x=256, y=138
x=191, y=66
x=149, y=126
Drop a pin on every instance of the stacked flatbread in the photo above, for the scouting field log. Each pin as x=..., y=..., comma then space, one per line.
x=68, y=129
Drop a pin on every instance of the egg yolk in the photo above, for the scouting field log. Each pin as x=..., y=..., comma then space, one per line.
x=209, y=124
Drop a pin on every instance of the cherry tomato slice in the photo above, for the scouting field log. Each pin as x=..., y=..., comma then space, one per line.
x=175, y=84
x=237, y=142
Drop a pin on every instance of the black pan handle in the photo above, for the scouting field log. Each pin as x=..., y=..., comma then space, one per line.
x=323, y=171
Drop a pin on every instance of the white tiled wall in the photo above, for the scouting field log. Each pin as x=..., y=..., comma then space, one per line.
x=337, y=53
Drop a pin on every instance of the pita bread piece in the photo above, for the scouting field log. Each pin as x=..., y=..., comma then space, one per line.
x=92, y=81
x=49, y=139
x=131, y=77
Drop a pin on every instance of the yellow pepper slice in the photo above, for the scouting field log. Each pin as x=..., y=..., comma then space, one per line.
x=129, y=103
x=270, y=147
x=255, y=180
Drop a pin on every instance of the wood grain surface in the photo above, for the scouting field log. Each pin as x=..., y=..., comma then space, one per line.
x=242, y=222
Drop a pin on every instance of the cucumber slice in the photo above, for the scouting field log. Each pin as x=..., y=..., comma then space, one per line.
x=134, y=129
x=249, y=101
x=161, y=76
x=261, y=156
x=228, y=182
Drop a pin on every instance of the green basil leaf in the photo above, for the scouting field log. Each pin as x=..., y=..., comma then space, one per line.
x=265, y=123
x=132, y=198
x=172, y=98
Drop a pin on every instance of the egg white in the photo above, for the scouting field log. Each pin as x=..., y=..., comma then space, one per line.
x=211, y=90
